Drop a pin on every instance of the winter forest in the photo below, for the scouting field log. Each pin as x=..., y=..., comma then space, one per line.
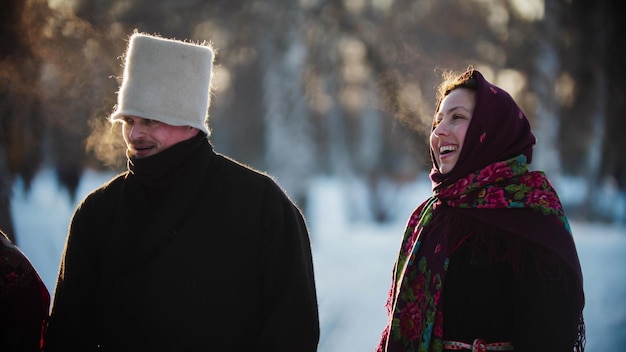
x=309, y=89
x=315, y=87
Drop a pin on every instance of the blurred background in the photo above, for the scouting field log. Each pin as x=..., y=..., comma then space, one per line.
x=316, y=90
x=310, y=87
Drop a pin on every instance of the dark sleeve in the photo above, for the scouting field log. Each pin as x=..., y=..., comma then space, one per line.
x=545, y=303
x=71, y=325
x=24, y=302
x=290, y=314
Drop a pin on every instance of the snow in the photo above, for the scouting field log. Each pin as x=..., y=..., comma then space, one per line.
x=353, y=259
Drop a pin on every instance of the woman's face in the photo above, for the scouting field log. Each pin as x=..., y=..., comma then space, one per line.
x=451, y=123
x=146, y=137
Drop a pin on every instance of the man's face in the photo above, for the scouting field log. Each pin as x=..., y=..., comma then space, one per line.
x=146, y=137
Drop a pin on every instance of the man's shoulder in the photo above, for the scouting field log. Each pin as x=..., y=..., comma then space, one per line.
x=244, y=177
x=234, y=168
x=108, y=189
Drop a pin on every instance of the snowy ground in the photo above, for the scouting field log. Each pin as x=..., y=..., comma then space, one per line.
x=353, y=261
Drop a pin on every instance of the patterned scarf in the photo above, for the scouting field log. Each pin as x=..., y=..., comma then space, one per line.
x=416, y=318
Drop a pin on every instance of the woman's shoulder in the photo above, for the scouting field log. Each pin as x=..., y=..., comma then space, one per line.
x=16, y=271
x=527, y=258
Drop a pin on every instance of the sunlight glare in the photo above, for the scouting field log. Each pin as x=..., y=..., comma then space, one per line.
x=221, y=80
x=211, y=31
x=530, y=10
x=565, y=88
x=497, y=16
x=512, y=81
x=354, y=6
x=67, y=6
x=382, y=5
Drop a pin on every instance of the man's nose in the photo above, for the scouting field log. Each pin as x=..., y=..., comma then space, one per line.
x=136, y=131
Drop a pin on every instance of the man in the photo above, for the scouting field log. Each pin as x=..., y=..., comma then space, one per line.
x=187, y=250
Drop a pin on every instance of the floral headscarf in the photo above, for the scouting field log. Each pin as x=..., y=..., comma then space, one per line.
x=498, y=131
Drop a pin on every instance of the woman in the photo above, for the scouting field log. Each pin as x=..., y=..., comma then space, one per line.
x=488, y=262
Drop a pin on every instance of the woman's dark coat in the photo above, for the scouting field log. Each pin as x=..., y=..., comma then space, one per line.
x=221, y=261
x=24, y=301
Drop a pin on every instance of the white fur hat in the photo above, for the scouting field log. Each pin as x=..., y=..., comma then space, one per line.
x=166, y=80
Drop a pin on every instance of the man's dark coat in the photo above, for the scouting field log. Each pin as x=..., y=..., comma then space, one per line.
x=220, y=261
